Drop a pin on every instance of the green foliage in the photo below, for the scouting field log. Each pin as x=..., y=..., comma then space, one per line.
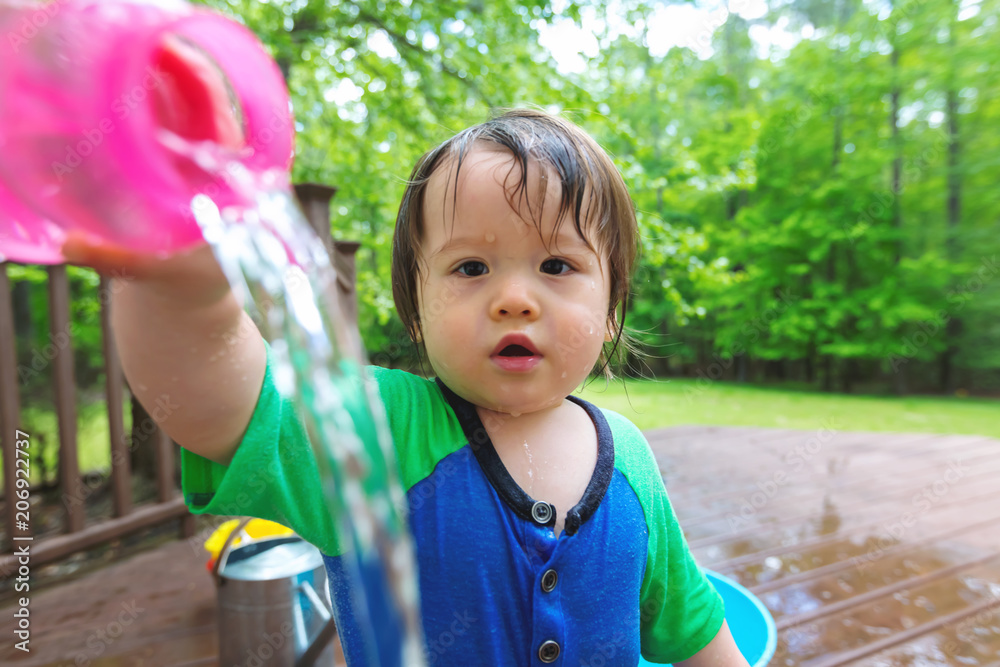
x=828, y=212
x=38, y=344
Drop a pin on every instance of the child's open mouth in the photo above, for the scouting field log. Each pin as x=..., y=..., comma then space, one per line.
x=515, y=353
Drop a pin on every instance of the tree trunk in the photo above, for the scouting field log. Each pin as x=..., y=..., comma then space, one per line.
x=900, y=383
x=897, y=162
x=828, y=373
x=810, y=366
x=954, y=212
x=741, y=368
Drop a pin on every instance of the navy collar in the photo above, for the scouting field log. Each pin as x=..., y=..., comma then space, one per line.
x=524, y=505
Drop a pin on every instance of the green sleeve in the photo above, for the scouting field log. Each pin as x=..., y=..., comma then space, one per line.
x=422, y=424
x=680, y=611
x=274, y=473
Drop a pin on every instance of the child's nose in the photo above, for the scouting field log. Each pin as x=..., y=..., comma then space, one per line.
x=514, y=299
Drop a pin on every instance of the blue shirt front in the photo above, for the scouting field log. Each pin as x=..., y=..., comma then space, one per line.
x=497, y=586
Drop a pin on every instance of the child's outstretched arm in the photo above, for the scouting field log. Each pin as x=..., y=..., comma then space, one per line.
x=184, y=340
x=720, y=652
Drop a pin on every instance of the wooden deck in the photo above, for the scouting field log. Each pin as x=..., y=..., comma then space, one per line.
x=868, y=548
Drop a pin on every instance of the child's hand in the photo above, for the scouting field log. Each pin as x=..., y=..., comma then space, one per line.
x=192, y=276
x=193, y=102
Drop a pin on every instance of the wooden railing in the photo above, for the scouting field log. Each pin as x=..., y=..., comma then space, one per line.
x=126, y=517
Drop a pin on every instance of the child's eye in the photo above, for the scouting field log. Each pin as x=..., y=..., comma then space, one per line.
x=472, y=268
x=555, y=267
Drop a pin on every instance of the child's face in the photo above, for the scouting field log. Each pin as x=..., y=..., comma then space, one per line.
x=489, y=284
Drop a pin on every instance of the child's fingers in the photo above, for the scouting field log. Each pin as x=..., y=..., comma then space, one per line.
x=103, y=256
x=195, y=265
x=192, y=276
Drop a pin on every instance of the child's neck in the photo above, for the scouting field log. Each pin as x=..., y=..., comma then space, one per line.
x=550, y=453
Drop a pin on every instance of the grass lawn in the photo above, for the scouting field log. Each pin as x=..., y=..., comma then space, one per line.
x=93, y=438
x=652, y=404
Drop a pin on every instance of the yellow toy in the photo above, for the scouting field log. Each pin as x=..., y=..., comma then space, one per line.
x=249, y=531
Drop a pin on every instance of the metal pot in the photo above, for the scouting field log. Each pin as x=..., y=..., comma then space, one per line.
x=274, y=605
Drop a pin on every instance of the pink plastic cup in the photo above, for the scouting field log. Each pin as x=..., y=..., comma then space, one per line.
x=105, y=129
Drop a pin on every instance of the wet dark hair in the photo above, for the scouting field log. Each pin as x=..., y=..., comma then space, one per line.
x=592, y=189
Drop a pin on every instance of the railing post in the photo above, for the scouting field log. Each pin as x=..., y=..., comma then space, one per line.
x=10, y=401
x=121, y=467
x=60, y=332
x=315, y=199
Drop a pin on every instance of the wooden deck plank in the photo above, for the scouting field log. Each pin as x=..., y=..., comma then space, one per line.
x=827, y=552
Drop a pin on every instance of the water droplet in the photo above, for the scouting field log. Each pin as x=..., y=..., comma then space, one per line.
x=564, y=374
x=531, y=469
x=772, y=562
x=490, y=237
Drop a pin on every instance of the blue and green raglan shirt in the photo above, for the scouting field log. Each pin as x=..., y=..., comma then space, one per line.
x=496, y=584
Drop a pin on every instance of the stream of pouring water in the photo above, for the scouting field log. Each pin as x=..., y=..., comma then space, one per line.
x=276, y=262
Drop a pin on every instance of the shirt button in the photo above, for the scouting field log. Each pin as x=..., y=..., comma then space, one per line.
x=549, y=579
x=541, y=512
x=548, y=651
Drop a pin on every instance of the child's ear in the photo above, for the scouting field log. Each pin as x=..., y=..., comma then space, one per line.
x=612, y=329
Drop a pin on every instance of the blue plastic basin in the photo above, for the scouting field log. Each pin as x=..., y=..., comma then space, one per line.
x=749, y=621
